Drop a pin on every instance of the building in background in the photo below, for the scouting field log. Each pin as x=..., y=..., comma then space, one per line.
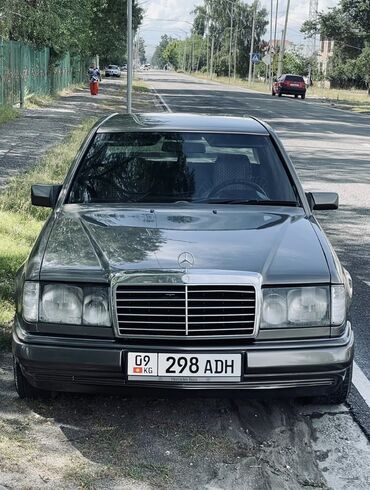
x=324, y=55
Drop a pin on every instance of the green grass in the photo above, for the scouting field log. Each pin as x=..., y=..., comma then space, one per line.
x=140, y=86
x=35, y=101
x=7, y=114
x=354, y=100
x=237, y=82
x=20, y=223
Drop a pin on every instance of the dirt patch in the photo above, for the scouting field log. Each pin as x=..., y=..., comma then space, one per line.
x=101, y=442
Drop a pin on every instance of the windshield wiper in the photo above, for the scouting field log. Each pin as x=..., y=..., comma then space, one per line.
x=257, y=202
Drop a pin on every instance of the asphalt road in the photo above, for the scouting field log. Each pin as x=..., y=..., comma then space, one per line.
x=100, y=442
x=330, y=149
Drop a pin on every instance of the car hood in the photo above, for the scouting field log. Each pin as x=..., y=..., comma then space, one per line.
x=92, y=243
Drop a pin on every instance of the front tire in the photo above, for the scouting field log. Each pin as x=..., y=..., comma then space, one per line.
x=303, y=96
x=296, y=96
x=279, y=94
x=24, y=389
x=273, y=93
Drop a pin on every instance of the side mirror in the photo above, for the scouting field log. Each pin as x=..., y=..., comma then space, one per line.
x=322, y=200
x=45, y=195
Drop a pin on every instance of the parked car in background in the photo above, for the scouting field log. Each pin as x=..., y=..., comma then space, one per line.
x=112, y=71
x=124, y=67
x=183, y=254
x=289, y=85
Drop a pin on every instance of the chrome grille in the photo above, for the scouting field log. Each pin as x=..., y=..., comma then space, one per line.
x=185, y=310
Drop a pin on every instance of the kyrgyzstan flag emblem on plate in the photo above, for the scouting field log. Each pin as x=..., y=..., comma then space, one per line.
x=138, y=370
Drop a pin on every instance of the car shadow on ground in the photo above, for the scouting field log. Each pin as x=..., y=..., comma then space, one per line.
x=145, y=442
x=188, y=442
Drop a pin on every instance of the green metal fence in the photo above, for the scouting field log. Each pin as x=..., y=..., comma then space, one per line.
x=25, y=70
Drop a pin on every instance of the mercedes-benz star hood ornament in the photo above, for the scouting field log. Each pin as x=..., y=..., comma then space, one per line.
x=186, y=260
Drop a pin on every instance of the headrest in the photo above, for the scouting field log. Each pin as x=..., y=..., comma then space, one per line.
x=187, y=147
x=230, y=159
x=171, y=146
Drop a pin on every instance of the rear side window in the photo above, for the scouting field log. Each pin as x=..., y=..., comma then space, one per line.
x=293, y=78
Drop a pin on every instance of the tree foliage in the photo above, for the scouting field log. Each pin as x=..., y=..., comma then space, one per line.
x=87, y=27
x=349, y=26
x=212, y=22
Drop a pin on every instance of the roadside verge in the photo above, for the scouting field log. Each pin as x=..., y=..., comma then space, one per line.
x=42, y=154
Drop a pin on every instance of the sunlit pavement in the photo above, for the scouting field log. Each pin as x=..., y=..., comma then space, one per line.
x=104, y=442
x=330, y=149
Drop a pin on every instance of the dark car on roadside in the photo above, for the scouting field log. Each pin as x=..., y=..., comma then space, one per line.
x=289, y=85
x=182, y=253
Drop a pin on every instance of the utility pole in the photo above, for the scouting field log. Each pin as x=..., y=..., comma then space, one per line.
x=235, y=48
x=275, y=40
x=206, y=31
x=276, y=16
x=231, y=37
x=270, y=48
x=282, y=47
x=192, y=54
x=252, y=43
x=129, y=56
x=212, y=54
x=184, y=59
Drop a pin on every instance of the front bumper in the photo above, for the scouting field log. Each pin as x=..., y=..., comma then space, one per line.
x=299, y=368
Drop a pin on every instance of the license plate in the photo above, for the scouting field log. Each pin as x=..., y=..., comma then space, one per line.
x=143, y=366
x=294, y=85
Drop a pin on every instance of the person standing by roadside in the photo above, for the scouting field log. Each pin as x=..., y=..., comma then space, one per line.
x=95, y=78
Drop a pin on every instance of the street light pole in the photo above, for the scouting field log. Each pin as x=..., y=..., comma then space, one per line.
x=129, y=56
x=282, y=47
x=270, y=49
x=252, y=44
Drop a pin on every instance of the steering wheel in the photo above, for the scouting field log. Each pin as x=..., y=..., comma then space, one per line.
x=245, y=183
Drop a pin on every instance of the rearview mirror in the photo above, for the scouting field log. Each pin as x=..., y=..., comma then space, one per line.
x=45, y=195
x=322, y=200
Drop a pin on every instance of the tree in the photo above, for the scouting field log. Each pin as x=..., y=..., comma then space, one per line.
x=158, y=59
x=348, y=25
x=141, y=50
x=86, y=27
x=294, y=62
x=212, y=22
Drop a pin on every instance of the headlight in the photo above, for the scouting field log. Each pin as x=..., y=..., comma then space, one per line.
x=96, y=307
x=338, y=304
x=64, y=303
x=308, y=306
x=274, y=311
x=30, y=302
x=295, y=307
x=61, y=304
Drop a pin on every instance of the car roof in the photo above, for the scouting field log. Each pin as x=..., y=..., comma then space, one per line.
x=164, y=121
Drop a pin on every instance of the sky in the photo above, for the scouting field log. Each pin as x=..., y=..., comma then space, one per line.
x=176, y=14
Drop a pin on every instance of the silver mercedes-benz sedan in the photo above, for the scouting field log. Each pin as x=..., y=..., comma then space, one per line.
x=183, y=254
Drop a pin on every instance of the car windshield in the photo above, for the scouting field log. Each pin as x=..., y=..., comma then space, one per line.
x=113, y=67
x=172, y=167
